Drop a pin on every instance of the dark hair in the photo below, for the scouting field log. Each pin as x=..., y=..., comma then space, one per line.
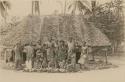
x=84, y=43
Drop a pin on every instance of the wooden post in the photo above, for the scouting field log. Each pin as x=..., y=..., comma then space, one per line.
x=106, y=56
x=5, y=56
x=93, y=57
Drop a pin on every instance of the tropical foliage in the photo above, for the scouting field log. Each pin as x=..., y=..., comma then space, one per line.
x=109, y=18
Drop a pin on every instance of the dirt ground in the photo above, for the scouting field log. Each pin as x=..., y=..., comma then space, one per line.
x=105, y=75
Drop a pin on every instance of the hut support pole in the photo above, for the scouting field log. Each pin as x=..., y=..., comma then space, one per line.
x=5, y=56
x=93, y=57
x=106, y=57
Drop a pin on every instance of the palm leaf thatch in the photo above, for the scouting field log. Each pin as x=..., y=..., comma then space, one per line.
x=33, y=28
x=94, y=37
x=25, y=32
x=84, y=31
x=50, y=26
x=76, y=28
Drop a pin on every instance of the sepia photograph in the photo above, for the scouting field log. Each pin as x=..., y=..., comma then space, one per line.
x=62, y=41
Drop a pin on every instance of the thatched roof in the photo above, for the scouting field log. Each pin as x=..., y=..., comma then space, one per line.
x=94, y=37
x=89, y=33
x=77, y=28
x=26, y=31
x=31, y=28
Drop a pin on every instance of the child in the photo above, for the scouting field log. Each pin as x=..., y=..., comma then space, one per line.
x=39, y=59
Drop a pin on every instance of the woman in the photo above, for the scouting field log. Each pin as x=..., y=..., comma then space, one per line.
x=62, y=54
x=44, y=51
x=83, y=56
x=51, y=63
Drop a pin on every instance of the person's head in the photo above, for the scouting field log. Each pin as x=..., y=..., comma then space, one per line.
x=53, y=45
x=26, y=44
x=34, y=45
x=84, y=43
x=51, y=39
x=61, y=42
x=57, y=41
x=29, y=43
x=39, y=42
x=76, y=43
x=38, y=50
x=70, y=39
x=17, y=44
x=44, y=46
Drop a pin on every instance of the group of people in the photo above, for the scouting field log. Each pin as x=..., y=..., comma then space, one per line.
x=53, y=54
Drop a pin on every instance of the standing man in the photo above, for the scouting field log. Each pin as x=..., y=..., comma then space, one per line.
x=29, y=54
x=70, y=48
x=77, y=51
x=71, y=55
x=17, y=56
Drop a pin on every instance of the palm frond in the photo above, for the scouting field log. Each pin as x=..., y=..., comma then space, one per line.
x=2, y=8
x=70, y=6
x=7, y=4
x=87, y=4
x=4, y=5
x=81, y=5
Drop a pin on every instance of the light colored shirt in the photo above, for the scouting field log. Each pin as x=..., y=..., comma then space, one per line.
x=29, y=51
x=70, y=46
x=17, y=53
